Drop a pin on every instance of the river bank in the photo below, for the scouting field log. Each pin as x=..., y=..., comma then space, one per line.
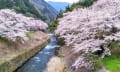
x=56, y=64
x=45, y=60
x=12, y=61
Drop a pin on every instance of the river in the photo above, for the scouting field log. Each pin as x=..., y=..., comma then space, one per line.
x=39, y=62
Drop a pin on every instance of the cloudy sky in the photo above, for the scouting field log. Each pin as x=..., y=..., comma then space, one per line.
x=70, y=1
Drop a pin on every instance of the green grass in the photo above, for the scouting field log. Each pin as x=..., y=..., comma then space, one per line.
x=112, y=64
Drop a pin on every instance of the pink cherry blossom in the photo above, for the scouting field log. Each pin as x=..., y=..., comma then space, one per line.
x=13, y=24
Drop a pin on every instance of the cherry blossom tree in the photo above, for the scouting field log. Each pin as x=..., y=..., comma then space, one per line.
x=13, y=25
x=84, y=35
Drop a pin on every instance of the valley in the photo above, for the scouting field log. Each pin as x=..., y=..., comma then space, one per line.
x=36, y=37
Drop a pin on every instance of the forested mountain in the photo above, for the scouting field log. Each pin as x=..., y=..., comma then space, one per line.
x=35, y=8
x=45, y=9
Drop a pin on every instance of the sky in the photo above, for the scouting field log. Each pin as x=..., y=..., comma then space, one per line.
x=69, y=1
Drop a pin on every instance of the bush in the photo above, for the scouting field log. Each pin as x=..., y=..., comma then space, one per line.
x=60, y=15
x=53, y=25
x=61, y=41
x=96, y=61
x=115, y=48
x=70, y=8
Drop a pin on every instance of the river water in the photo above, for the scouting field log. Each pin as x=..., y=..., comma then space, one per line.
x=39, y=62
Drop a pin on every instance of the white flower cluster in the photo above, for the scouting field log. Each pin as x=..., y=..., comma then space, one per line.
x=13, y=24
x=82, y=62
x=80, y=27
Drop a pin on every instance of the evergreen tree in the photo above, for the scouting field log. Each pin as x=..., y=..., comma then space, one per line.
x=60, y=13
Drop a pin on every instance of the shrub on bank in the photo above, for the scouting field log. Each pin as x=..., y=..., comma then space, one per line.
x=53, y=25
x=61, y=41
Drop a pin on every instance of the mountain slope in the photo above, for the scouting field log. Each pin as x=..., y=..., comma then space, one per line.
x=29, y=8
x=44, y=8
x=58, y=5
